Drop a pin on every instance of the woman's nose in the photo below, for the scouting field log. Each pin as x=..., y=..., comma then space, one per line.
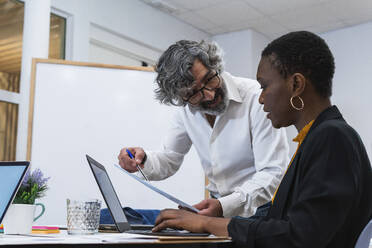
x=261, y=99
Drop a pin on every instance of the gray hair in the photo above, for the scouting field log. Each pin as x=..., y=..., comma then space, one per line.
x=174, y=66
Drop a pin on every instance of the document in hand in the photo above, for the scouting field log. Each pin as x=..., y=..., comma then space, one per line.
x=172, y=198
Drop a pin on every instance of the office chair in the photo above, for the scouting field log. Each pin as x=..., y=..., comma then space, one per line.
x=365, y=237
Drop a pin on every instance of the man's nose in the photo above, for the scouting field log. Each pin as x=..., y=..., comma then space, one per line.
x=209, y=95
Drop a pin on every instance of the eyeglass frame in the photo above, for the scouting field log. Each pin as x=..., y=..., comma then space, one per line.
x=205, y=87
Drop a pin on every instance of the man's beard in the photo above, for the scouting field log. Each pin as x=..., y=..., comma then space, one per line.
x=220, y=108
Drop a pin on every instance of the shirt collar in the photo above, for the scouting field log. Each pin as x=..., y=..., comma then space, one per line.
x=302, y=134
x=232, y=88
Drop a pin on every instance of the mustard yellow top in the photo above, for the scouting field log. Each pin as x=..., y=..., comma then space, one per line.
x=299, y=138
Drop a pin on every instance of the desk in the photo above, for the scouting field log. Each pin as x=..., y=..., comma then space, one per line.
x=108, y=240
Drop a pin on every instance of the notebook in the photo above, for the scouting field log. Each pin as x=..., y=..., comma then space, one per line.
x=115, y=207
x=11, y=177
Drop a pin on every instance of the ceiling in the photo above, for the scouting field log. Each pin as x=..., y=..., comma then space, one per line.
x=269, y=17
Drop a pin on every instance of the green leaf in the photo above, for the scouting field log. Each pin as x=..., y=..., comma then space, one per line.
x=29, y=191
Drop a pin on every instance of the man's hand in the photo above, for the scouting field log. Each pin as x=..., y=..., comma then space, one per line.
x=130, y=164
x=210, y=207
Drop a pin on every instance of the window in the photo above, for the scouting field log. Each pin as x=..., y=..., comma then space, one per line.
x=11, y=24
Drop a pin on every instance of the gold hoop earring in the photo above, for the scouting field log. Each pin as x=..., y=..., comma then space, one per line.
x=302, y=103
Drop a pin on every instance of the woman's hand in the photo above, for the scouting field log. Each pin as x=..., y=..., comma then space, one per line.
x=180, y=219
x=183, y=219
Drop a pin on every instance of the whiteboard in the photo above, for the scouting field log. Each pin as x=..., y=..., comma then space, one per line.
x=82, y=108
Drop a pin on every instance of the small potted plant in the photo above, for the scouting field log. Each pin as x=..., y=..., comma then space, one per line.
x=33, y=187
x=20, y=215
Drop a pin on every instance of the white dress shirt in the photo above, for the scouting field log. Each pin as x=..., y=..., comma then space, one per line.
x=243, y=156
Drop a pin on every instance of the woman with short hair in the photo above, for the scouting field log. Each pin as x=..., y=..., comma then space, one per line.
x=325, y=197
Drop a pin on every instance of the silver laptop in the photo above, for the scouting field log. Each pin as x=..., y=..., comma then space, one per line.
x=115, y=207
x=11, y=177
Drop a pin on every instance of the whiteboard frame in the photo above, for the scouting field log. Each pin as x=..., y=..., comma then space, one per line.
x=35, y=61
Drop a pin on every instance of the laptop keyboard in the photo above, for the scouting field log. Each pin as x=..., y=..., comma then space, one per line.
x=146, y=230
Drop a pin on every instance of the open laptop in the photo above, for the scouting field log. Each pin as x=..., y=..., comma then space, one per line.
x=115, y=207
x=11, y=177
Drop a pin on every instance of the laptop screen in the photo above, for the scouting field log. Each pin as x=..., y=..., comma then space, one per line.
x=11, y=176
x=109, y=194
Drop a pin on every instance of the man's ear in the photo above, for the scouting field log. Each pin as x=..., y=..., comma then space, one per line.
x=298, y=84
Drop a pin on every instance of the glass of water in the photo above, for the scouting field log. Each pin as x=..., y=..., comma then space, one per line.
x=83, y=216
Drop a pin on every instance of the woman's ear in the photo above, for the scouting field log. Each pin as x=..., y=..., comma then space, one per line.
x=298, y=84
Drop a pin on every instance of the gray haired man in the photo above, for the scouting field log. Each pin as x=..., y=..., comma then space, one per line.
x=242, y=155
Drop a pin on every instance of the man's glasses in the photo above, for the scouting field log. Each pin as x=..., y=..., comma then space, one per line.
x=210, y=84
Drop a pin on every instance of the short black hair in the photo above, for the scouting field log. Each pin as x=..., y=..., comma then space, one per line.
x=306, y=53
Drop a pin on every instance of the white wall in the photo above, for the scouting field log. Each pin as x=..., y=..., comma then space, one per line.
x=36, y=21
x=107, y=56
x=106, y=46
x=352, y=84
x=133, y=20
x=242, y=51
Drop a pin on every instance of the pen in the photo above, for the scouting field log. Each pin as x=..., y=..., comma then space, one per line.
x=138, y=167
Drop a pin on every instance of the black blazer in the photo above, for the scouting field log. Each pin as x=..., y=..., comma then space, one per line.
x=325, y=198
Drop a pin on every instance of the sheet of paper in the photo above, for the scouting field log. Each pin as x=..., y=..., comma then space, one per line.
x=126, y=238
x=172, y=198
x=210, y=237
x=113, y=236
x=64, y=238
